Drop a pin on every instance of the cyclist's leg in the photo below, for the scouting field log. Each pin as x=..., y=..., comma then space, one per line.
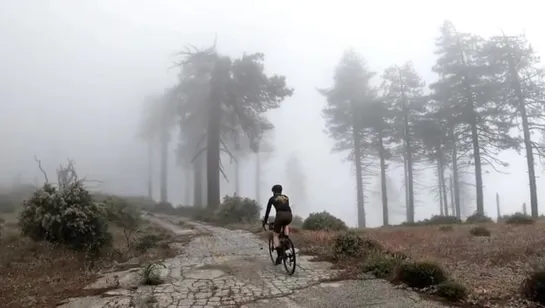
x=276, y=237
x=282, y=219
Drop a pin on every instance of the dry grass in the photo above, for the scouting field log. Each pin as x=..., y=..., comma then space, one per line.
x=41, y=274
x=493, y=268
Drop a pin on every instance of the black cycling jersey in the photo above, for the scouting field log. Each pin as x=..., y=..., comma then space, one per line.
x=281, y=203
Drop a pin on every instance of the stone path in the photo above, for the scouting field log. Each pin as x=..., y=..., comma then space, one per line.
x=225, y=268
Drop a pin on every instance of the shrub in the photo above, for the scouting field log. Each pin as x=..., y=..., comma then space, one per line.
x=478, y=218
x=444, y=220
x=381, y=265
x=149, y=273
x=519, y=219
x=533, y=287
x=121, y=213
x=235, y=209
x=67, y=216
x=452, y=290
x=348, y=244
x=351, y=244
x=323, y=221
x=445, y=228
x=297, y=221
x=146, y=242
x=479, y=231
x=434, y=220
x=420, y=274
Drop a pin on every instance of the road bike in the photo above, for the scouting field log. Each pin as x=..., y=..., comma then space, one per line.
x=289, y=259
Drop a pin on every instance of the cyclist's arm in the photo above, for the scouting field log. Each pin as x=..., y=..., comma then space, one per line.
x=268, y=210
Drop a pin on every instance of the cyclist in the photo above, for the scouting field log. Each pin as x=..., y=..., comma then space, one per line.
x=283, y=217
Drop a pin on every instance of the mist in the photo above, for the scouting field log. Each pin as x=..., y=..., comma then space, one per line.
x=74, y=75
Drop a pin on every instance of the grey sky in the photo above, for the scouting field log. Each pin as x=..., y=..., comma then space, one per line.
x=73, y=74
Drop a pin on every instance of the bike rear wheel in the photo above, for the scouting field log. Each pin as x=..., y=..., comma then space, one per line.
x=290, y=262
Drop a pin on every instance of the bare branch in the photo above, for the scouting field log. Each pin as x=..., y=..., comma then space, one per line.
x=41, y=169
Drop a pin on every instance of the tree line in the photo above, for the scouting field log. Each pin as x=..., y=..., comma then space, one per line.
x=488, y=96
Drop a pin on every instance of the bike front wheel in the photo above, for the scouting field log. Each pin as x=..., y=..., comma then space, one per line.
x=290, y=262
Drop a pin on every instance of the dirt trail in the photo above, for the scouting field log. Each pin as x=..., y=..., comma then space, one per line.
x=225, y=268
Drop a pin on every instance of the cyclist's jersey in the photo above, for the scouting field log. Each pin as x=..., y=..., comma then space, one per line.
x=280, y=202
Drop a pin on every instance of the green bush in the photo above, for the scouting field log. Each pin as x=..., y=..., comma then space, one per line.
x=478, y=218
x=67, y=215
x=121, y=213
x=444, y=220
x=348, y=244
x=235, y=209
x=452, y=290
x=479, y=231
x=434, y=220
x=533, y=287
x=381, y=265
x=351, y=244
x=323, y=221
x=420, y=274
x=519, y=219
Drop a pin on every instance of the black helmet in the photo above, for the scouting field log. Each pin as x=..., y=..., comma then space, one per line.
x=277, y=189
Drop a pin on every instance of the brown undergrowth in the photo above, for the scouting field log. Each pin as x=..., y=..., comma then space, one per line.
x=40, y=274
x=491, y=267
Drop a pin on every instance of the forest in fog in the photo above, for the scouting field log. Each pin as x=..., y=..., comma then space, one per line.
x=487, y=97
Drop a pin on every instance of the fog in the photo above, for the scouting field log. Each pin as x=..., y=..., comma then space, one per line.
x=74, y=74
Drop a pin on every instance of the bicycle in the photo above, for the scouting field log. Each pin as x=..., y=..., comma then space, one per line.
x=289, y=250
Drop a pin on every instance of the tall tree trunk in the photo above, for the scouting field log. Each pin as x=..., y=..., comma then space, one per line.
x=453, y=206
x=213, y=151
x=383, y=186
x=257, y=177
x=237, y=154
x=359, y=172
x=409, y=157
x=198, y=172
x=498, y=209
x=150, y=170
x=440, y=186
x=527, y=139
x=443, y=184
x=455, y=191
x=406, y=181
x=188, y=186
x=408, y=154
x=237, y=177
x=164, y=168
x=474, y=139
x=478, y=168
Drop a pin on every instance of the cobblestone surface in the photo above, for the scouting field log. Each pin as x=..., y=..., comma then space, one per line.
x=219, y=268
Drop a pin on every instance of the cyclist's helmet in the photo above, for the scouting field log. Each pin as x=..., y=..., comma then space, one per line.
x=277, y=189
